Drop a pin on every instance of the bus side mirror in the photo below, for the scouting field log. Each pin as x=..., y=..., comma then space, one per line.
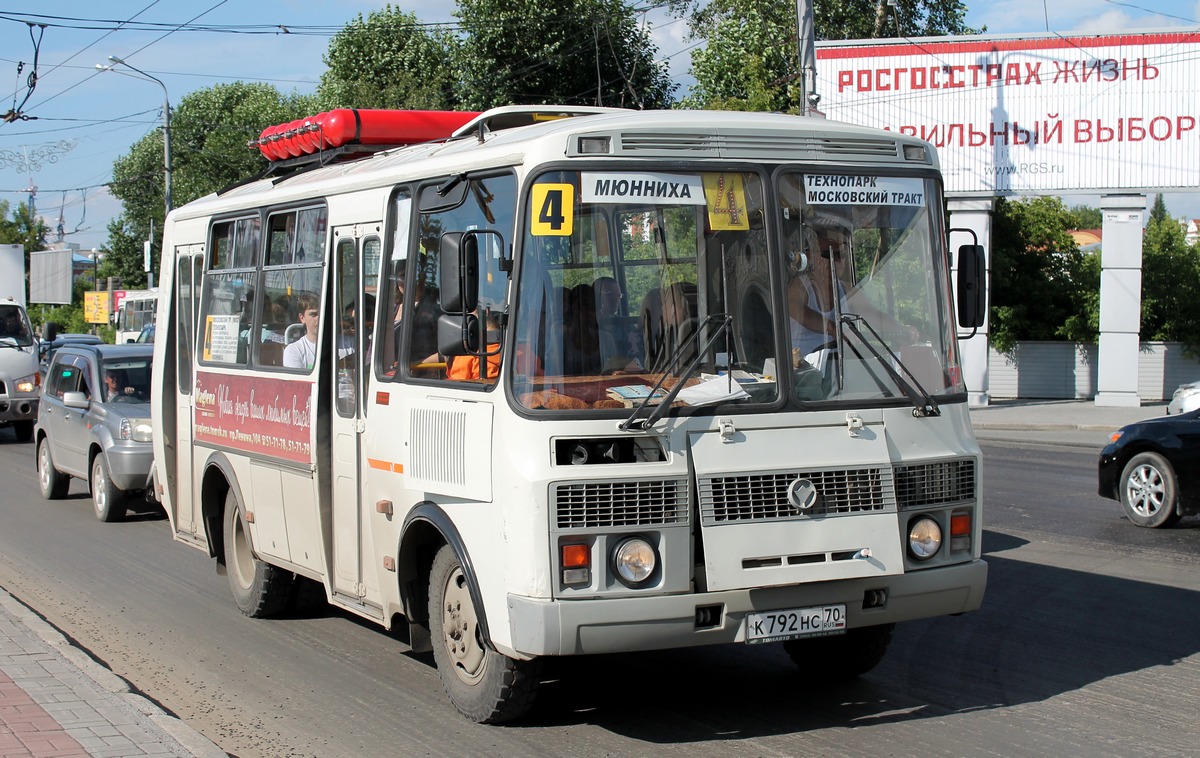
x=458, y=259
x=50, y=331
x=972, y=286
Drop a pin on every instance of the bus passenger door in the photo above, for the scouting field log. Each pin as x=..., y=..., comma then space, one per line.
x=189, y=273
x=356, y=271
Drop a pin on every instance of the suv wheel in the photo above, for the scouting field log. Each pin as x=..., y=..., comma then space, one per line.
x=53, y=483
x=107, y=498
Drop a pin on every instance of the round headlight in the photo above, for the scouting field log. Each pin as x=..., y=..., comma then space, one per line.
x=634, y=561
x=924, y=538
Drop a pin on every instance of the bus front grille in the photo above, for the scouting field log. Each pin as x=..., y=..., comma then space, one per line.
x=758, y=497
x=587, y=505
x=935, y=483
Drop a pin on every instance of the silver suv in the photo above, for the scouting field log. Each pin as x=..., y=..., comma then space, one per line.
x=94, y=424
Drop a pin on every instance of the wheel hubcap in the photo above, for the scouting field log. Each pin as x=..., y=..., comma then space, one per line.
x=99, y=487
x=1145, y=491
x=460, y=629
x=44, y=467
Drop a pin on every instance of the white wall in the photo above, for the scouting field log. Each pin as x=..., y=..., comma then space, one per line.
x=1067, y=370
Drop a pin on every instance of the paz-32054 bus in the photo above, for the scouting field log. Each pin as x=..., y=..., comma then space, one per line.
x=548, y=381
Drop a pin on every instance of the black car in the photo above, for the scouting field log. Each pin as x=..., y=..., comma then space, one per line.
x=1153, y=468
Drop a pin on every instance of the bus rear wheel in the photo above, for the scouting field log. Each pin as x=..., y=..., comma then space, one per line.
x=484, y=685
x=260, y=590
x=841, y=657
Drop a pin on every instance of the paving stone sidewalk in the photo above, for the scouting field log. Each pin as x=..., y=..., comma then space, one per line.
x=56, y=701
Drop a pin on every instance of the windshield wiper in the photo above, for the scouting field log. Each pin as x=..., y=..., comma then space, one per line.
x=723, y=322
x=923, y=403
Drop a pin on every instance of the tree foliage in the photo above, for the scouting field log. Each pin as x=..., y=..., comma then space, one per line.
x=575, y=52
x=751, y=50
x=1170, y=281
x=1038, y=274
x=389, y=60
x=22, y=228
x=210, y=130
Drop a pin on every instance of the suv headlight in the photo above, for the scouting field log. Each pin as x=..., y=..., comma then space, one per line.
x=138, y=431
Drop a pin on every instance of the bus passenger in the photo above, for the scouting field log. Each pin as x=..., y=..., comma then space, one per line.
x=303, y=352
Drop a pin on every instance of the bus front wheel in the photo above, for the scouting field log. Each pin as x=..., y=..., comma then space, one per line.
x=484, y=685
x=259, y=589
x=841, y=657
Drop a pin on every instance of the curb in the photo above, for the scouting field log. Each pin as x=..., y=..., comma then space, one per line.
x=189, y=740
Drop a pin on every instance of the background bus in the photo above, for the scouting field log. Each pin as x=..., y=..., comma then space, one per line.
x=576, y=381
x=136, y=311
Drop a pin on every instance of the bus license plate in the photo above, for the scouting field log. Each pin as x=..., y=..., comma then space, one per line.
x=774, y=626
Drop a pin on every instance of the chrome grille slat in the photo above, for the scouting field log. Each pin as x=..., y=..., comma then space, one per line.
x=641, y=502
x=753, y=497
x=935, y=483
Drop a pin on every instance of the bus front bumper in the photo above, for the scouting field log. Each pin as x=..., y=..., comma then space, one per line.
x=576, y=627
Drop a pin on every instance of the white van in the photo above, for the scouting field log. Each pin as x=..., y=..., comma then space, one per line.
x=19, y=378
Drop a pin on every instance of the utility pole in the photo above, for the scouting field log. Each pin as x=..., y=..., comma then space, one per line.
x=807, y=54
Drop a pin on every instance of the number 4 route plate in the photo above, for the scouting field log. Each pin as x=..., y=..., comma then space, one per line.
x=774, y=626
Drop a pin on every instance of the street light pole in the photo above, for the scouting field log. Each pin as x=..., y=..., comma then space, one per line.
x=166, y=121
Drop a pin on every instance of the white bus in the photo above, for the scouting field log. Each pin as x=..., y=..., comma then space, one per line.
x=575, y=381
x=136, y=311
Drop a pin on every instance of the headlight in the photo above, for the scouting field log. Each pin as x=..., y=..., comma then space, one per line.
x=139, y=431
x=924, y=538
x=28, y=384
x=634, y=561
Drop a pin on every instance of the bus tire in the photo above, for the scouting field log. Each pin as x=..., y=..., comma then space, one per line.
x=484, y=685
x=108, y=500
x=841, y=657
x=260, y=590
x=52, y=482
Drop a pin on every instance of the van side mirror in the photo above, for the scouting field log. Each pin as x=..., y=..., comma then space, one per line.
x=458, y=260
x=972, y=286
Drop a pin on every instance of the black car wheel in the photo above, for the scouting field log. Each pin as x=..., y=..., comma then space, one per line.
x=1148, y=491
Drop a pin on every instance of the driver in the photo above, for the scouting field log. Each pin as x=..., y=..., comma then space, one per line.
x=816, y=294
x=116, y=386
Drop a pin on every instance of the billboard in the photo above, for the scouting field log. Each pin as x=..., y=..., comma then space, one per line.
x=51, y=276
x=1033, y=114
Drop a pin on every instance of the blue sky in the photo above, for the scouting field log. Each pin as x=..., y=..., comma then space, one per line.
x=83, y=119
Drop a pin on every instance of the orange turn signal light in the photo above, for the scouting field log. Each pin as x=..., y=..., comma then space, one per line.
x=576, y=556
x=960, y=525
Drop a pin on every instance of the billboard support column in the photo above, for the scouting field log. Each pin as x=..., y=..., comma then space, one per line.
x=1120, y=300
x=974, y=213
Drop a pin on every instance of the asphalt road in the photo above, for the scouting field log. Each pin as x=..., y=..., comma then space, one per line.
x=1087, y=644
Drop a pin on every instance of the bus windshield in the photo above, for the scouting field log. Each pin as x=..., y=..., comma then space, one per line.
x=634, y=281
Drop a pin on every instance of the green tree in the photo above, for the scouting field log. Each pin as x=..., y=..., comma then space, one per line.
x=1170, y=281
x=389, y=60
x=22, y=228
x=575, y=52
x=210, y=129
x=1086, y=217
x=1039, y=277
x=750, y=52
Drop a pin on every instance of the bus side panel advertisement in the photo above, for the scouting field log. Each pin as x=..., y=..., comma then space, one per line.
x=263, y=415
